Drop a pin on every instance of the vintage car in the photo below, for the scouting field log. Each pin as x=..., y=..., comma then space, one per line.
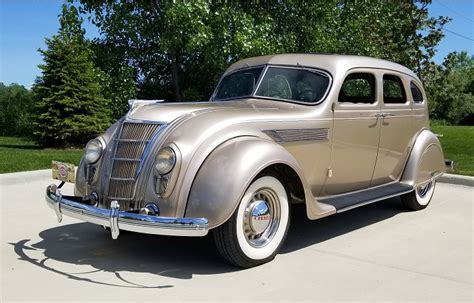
x=333, y=132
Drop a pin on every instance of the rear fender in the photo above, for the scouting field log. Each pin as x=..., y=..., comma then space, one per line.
x=426, y=161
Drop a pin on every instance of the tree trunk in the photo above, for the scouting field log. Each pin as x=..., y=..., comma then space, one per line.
x=175, y=76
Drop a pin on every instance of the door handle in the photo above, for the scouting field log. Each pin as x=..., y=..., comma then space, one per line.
x=383, y=115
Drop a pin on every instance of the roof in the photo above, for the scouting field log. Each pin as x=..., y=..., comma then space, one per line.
x=330, y=63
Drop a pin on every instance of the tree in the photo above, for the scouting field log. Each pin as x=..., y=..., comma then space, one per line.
x=450, y=89
x=178, y=49
x=70, y=104
x=16, y=110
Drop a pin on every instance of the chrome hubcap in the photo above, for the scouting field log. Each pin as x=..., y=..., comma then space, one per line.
x=261, y=217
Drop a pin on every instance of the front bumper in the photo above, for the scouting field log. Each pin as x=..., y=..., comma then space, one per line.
x=121, y=220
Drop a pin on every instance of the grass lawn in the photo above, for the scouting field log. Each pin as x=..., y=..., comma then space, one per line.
x=17, y=154
x=458, y=145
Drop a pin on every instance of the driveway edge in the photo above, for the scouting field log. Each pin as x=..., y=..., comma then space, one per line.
x=456, y=179
x=26, y=176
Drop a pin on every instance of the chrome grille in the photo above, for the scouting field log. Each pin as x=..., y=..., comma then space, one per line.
x=130, y=146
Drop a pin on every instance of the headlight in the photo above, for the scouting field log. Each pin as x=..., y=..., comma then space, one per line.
x=93, y=151
x=165, y=160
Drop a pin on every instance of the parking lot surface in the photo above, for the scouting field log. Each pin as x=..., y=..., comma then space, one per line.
x=378, y=252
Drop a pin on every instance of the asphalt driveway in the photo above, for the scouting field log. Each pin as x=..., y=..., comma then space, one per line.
x=375, y=253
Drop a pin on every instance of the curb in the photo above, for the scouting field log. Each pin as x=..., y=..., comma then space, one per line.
x=27, y=176
x=456, y=179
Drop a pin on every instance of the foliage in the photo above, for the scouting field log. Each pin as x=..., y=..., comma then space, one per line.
x=70, y=104
x=458, y=145
x=450, y=89
x=177, y=50
x=21, y=154
x=16, y=110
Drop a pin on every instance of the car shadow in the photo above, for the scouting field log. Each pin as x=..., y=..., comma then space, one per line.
x=175, y=257
x=304, y=232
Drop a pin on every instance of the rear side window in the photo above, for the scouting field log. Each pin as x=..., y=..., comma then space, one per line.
x=416, y=93
x=358, y=88
x=393, y=90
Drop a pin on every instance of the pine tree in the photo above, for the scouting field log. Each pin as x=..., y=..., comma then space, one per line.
x=69, y=100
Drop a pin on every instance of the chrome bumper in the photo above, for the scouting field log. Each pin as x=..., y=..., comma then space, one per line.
x=121, y=220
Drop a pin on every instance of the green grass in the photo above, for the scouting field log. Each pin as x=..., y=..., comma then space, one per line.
x=458, y=145
x=17, y=154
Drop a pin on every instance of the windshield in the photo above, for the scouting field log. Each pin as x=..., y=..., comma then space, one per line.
x=282, y=83
x=239, y=84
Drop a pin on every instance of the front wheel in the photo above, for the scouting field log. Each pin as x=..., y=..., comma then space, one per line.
x=258, y=227
x=420, y=197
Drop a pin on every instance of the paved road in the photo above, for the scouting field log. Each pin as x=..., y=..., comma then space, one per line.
x=374, y=253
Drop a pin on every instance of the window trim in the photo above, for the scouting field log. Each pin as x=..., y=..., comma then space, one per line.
x=420, y=91
x=407, y=101
x=359, y=103
x=264, y=72
x=213, y=96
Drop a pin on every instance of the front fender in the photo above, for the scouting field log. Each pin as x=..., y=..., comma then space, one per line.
x=426, y=160
x=227, y=172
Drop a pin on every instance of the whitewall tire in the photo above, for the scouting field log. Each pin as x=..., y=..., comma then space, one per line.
x=258, y=227
x=420, y=197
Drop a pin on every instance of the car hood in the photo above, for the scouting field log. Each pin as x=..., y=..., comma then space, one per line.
x=167, y=112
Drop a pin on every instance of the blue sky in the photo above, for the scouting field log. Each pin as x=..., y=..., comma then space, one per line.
x=25, y=23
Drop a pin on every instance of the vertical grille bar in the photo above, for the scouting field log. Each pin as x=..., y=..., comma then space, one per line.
x=130, y=146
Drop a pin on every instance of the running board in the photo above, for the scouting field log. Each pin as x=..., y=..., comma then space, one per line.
x=361, y=198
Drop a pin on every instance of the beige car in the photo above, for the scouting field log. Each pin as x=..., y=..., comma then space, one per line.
x=331, y=132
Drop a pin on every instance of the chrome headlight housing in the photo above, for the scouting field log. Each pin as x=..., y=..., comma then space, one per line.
x=93, y=151
x=165, y=160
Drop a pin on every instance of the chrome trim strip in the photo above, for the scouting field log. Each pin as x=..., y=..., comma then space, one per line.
x=132, y=140
x=374, y=200
x=298, y=135
x=300, y=67
x=262, y=75
x=122, y=179
x=120, y=220
x=127, y=159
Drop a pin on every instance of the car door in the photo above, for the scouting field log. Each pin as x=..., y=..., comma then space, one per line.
x=355, y=133
x=396, y=129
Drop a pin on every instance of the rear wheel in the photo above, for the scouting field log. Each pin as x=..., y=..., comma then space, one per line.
x=258, y=227
x=420, y=197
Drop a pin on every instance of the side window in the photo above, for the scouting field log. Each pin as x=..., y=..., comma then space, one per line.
x=393, y=90
x=358, y=88
x=416, y=93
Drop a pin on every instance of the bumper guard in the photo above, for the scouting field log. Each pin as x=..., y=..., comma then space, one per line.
x=121, y=220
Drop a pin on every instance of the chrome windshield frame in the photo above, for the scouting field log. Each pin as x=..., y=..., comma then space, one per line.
x=262, y=76
x=264, y=66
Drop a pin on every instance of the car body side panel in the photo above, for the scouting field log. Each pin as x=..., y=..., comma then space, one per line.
x=222, y=179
